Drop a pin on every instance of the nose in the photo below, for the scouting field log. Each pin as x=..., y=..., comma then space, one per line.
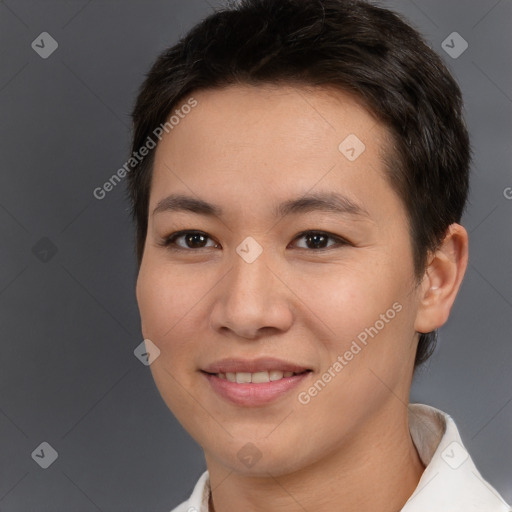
x=252, y=301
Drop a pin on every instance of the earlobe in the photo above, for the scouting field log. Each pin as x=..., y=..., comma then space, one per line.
x=442, y=279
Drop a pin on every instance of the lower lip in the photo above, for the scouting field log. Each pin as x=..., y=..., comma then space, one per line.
x=252, y=395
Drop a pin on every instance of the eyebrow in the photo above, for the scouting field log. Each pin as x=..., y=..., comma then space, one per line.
x=177, y=202
x=324, y=202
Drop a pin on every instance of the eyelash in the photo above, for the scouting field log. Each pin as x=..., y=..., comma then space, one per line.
x=169, y=241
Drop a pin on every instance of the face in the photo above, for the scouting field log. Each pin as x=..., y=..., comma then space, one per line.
x=277, y=255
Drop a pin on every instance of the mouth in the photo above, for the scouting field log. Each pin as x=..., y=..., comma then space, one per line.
x=263, y=369
x=251, y=383
x=256, y=377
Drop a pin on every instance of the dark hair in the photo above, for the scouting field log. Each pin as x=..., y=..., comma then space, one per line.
x=352, y=45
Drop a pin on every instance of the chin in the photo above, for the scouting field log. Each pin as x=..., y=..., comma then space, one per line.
x=257, y=459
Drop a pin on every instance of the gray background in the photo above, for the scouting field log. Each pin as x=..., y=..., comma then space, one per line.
x=69, y=325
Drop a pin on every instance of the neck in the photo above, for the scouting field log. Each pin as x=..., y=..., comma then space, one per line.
x=378, y=469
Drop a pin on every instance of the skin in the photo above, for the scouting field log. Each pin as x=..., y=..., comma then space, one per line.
x=247, y=149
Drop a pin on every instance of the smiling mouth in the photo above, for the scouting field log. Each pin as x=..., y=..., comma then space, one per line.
x=256, y=377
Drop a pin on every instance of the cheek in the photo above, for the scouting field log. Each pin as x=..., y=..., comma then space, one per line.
x=368, y=315
x=347, y=300
x=169, y=305
x=168, y=300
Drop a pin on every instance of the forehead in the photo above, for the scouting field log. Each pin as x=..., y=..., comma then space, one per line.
x=272, y=141
x=254, y=115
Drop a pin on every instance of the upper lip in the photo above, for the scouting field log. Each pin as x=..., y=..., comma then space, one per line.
x=232, y=365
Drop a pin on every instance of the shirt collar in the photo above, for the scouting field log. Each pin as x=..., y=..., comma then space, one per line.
x=450, y=482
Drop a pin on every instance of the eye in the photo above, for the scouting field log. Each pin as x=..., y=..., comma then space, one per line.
x=319, y=240
x=189, y=240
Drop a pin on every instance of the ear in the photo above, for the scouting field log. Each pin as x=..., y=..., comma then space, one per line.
x=442, y=279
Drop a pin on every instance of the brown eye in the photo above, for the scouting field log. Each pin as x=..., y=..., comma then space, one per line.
x=319, y=240
x=189, y=240
x=195, y=240
x=316, y=241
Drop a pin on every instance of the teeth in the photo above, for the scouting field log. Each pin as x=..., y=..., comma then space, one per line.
x=276, y=374
x=257, y=377
x=260, y=377
x=243, y=377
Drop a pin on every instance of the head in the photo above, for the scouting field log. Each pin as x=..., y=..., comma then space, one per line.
x=267, y=98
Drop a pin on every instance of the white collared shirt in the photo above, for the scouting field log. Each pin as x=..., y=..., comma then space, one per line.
x=450, y=482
